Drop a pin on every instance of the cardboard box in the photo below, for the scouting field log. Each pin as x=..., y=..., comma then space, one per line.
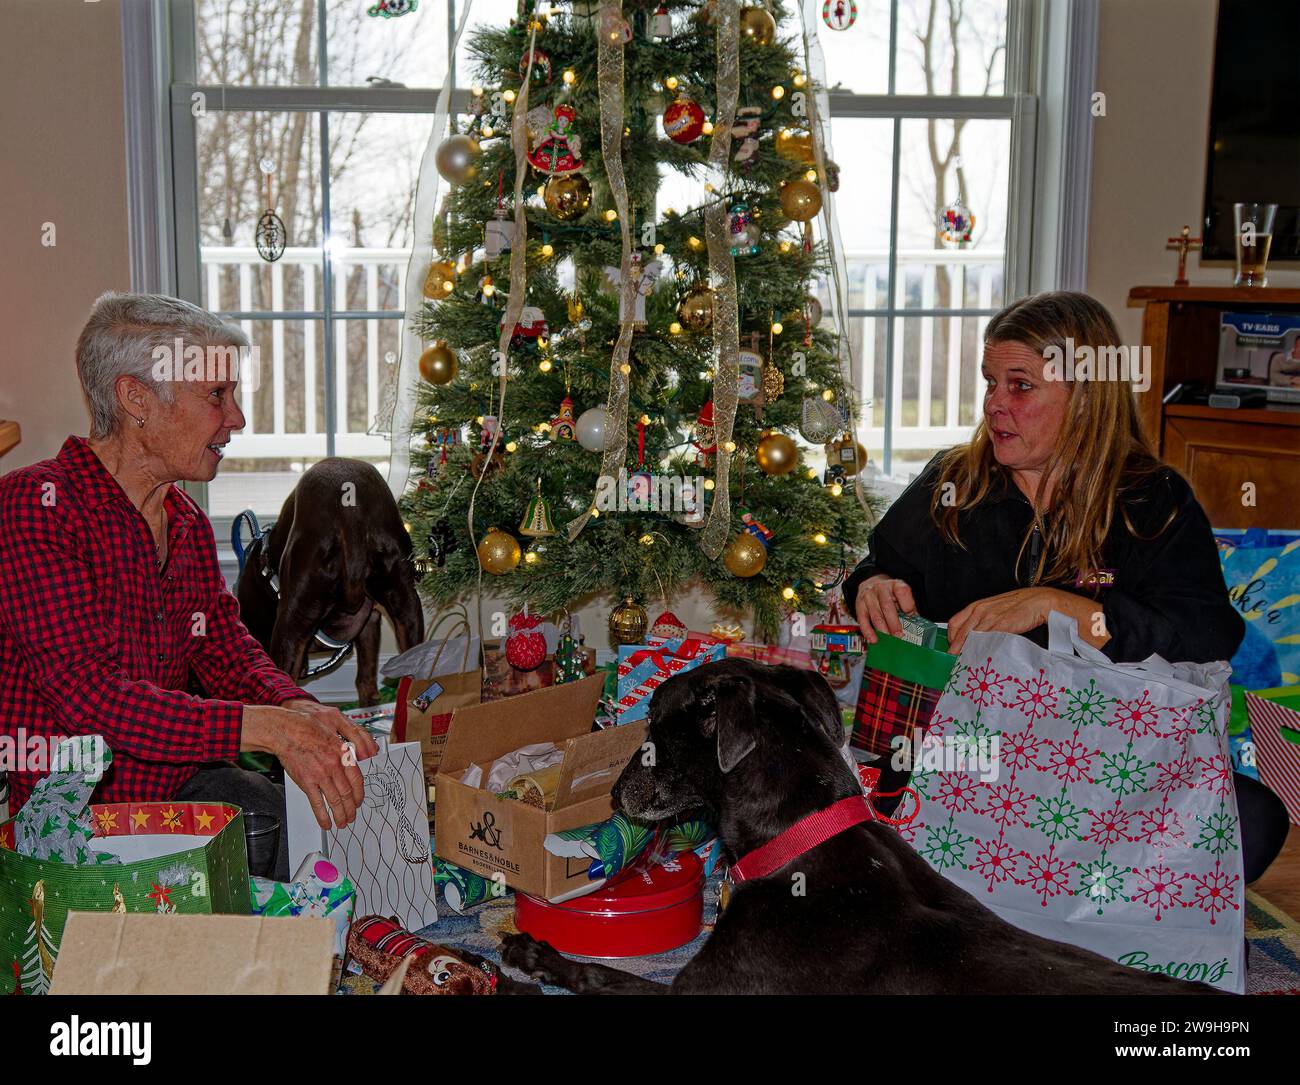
x=490, y=836
x=113, y=953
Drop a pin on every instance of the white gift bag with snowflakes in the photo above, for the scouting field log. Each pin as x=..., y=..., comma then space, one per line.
x=1088, y=801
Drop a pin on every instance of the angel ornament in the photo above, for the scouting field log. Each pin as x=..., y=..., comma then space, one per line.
x=556, y=147
x=644, y=277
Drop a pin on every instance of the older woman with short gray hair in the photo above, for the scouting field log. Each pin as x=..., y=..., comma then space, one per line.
x=114, y=617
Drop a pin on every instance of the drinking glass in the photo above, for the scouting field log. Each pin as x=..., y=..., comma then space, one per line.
x=1254, y=222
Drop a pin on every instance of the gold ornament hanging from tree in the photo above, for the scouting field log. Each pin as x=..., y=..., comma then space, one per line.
x=846, y=453
x=627, y=623
x=695, y=310
x=440, y=279
x=457, y=159
x=498, y=552
x=567, y=196
x=757, y=25
x=794, y=145
x=773, y=383
x=776, y=454
x=801, y=199
x=438, y=364
x=745, y=556
x=537, y=522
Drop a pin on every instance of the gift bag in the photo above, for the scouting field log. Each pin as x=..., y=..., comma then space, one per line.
x=642, y=668
x=437, y=678
x=1262, y=571
x=1275, y=722
x=899, y=690
x=1088, y=801
x=181, y=857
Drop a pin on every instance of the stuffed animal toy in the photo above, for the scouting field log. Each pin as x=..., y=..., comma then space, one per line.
x=380, y=945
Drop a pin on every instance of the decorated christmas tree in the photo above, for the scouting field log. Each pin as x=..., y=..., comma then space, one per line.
x=613, y=386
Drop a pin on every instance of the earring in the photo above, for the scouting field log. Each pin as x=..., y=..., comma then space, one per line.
x=139, y=422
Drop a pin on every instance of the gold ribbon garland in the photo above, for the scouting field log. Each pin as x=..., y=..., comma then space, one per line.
x=609, y=77
x=722, y=278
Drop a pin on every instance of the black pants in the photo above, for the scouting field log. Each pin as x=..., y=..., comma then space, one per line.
x=1264, y=820
x=252, y=792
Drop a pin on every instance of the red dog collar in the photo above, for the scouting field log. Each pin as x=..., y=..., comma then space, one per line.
x=804, y=835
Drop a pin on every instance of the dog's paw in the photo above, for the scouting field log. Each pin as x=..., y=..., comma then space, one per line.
x=533, y=958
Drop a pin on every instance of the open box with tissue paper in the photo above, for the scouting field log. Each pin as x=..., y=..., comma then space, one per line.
x=503, y=839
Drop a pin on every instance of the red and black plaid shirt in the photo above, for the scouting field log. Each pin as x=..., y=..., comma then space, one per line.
x=94, y=640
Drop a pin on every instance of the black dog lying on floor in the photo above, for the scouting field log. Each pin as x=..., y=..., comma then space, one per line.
x=760, y=746
x=338, y=549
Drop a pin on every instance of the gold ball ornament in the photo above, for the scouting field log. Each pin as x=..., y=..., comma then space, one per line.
x=498, y=552
x=440, y=279
x=438, y=364
x=846, y=453
x=567, y=196
x=776, y=454
x=800, y=199
x=757, y=25
x=627, y=623
x=695, y=310
x=794, y=145
x=457, y=159
x=744, y=556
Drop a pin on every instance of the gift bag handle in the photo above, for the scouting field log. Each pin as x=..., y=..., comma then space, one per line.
x=1063, y=639
x=462, y=622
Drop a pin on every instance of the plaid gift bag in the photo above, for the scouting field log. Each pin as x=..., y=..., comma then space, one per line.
x=900, y=689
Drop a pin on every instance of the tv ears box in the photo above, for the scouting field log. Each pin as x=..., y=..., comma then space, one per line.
x=502, y=839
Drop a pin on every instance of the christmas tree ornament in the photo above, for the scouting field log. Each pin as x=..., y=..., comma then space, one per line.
x=567, y=196
x=661, y=26
x=749, y=384
x=728, y=631
x=693, y=507
x=487, y=289
x=525, y=642
x=794, y=145
x=755, y=527
x=956, y=224
x=563, y=427
x=744, y=135
x=776, y=454
x=832, y=176
x=558, y=148
x=683, y=121
x=537, y=522
x=440, y=279
x=483, y=466
x=846, y=453
x=541, y=66
x=615, y=28
x=773, y=383
x=457, y=159
x=801, y=199
x=811, y=314
x=498, y=552
x=744, y=556
x=669, y=625
x=627, y=623
x=568, y=656
x=745, y=232
x=820, y=420
x=575, y=309
x=270, y=236
x=498, y=234
x=757, y=26
x=695, y=310
x=839, y=14
x=644, y=277
x=442, y=541
x=438, y=364
x=391, y=9
x=834, y=646
x=530, y=327
x=704, y=436
x=592, y=429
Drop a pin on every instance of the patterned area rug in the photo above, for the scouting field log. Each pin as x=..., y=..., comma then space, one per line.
x=1273, y=937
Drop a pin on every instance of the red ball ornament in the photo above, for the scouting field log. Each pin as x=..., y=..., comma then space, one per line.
x=683, y=121
x=525, y=645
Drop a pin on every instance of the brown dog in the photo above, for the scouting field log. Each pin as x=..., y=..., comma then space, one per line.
x=338, y=552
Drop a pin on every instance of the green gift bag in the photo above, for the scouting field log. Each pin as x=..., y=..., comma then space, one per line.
x=900, y=688
x=176, y=857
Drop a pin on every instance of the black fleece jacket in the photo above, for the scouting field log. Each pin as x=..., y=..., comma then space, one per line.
x=1168, y=597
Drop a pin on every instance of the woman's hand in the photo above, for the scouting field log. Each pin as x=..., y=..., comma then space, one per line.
x=1020, y=611
x=880, y=600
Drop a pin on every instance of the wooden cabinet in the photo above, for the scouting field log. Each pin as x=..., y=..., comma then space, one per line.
x=1231, y=457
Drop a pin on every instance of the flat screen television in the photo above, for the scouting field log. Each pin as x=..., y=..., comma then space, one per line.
x=1254, y=154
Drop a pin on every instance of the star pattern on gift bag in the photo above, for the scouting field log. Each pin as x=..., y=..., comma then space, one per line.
x=1181, y=725
x=1110, y=826
x=1069, y=760
x=1034, y=697
x=1160, y=889
x=1057, y=818
x=1136, y=718
x=1124, y=772
x=984, y=685
x=1218, y=832
x=1006, y=804
x=1214, y=891
x=1175, y=775
x=1020, y=750
x=1160, y=829
x=1216, y=773
x=995, y=862
x=1209, y=721
x=1102, y=881
x=1046, y=875
x=955, y=679
x=972, y=741
x=957, y=792
x=945, y=847
x=1085, y=706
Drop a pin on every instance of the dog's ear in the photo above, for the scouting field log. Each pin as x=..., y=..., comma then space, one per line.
x=817, y=702
x=728, y=703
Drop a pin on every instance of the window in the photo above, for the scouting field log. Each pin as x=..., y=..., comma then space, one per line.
x=928, y=106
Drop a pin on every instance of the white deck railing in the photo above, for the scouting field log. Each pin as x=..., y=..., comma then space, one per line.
x=230, y=275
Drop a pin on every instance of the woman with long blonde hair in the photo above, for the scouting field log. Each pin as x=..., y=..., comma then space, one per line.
x=1058, y=502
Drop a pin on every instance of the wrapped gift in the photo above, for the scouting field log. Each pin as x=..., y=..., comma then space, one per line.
x=319, y=889
x=1275, y=722
x=774, y=654
x=642, y=668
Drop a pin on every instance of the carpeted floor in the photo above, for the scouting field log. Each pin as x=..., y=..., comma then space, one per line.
x=1273, y=937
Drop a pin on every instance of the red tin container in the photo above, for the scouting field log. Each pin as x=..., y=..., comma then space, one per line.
x=650, y=910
